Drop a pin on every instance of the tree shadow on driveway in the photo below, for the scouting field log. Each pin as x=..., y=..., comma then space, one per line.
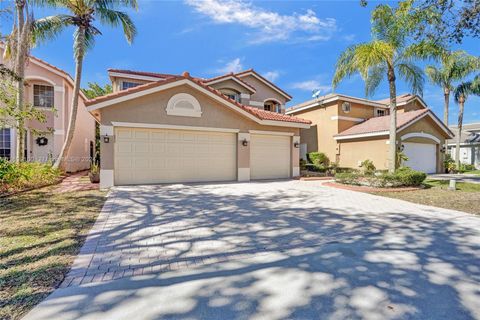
x=279, y=250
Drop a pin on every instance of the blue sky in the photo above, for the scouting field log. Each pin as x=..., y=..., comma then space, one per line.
x=294, y=43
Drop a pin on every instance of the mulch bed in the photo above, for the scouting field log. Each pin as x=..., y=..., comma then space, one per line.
x=314, y=178
x=369, y=189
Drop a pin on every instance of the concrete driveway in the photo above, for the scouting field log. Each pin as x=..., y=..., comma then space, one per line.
x=273, y=250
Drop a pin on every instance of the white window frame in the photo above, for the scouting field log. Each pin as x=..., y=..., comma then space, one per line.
x=382, y=110
x=232, y=94
x=135, y=84
x=8, y=139
x=46, y=86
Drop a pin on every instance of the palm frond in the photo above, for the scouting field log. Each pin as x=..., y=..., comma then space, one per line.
x=435, y=76
x=423, y=50
x=413, y=76
x=345, y=67
x=115, y=18
x=373, y=79
x=50, y=27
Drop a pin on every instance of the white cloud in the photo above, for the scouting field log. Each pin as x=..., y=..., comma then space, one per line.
x=271, y=75
x=270, y=26
x=310, y=85
x=232, y=66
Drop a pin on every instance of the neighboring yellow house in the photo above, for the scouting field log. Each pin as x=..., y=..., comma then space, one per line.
x=350, y=130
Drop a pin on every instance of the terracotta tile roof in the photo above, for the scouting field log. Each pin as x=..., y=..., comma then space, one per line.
x=227, y=76
x=143, y=73
x=260, y=114
x=379, y=124
x=403, y=99
x=260, y=76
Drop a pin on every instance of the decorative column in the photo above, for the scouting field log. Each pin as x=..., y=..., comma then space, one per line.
x=295, y=156
x=107, y=151
x=243, y=157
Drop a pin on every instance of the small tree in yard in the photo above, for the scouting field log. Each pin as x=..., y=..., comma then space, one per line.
x=82, y=14
x=391, y=53
x=462, y=92
x=10, y=115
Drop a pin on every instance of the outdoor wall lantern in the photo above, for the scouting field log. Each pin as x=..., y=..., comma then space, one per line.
x=244, y=142
x=442, y=150
x=296, y=145
x=401, y=148
x=106, y=139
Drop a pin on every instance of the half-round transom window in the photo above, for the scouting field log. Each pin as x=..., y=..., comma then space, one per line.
x=184, y=105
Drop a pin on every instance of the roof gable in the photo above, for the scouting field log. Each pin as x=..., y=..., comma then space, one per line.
x=380, y=125
x=264, y=117
x=232, y=77
x=268, y=83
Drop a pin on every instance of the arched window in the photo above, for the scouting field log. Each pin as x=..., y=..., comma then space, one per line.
x=184, y=105
x=272, y=105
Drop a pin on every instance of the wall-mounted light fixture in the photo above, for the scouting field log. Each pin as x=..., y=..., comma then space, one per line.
x=401, y=147
x=443, y=150
x=106, y=139
x=296, y=145
x=244, y=142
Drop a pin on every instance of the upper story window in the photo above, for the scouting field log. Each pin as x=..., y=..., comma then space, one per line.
x=43, y=96
x=380, y=112
x=346, y=107
x=127, y=85
x=272, y=106
x=232, y=94
x=5, y=147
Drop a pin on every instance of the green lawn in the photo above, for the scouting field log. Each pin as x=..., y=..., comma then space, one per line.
x=466, y=198
x=41, y=233
x=477, y=172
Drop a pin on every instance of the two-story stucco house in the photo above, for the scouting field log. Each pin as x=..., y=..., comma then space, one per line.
x=350, y=130
x=47, y=86
x=163, y=128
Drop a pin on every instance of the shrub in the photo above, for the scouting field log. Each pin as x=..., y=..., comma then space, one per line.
x=368, y=167
x=403, y=177
x=318, y=158
x=24, y=175
x=303, y=164
x=409, y=177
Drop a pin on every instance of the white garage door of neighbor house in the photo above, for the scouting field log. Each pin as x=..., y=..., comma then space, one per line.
x=421, y=156
x=167, y=156
x=269, y=156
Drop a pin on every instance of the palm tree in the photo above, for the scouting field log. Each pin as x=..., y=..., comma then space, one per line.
x=17, y=48
x=82, y=14
x=388, y=54
x=461, y=93
x=455, y=66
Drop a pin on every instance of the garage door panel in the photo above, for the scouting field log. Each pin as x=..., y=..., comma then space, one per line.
x=270, y=157
x=421, y=156
x=167, y=156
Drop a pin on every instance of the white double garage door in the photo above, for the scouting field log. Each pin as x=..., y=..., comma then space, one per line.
x=146, y=156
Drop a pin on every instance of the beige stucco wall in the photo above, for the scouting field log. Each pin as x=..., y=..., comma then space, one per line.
x=376, y=149
x=263, y=92
x=151, y=109
x=319, y=137
x=354, y=151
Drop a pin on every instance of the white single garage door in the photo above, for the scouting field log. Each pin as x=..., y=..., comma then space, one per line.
x=421, y=156
x=167, y=156
x=269, y=156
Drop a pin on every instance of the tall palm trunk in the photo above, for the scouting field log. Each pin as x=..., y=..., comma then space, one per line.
x=21, y=47
x=446, y=107
x=461, y=104
x=61, y=160
x=392, y=150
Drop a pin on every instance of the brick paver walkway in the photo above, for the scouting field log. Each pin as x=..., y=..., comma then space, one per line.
x=76, y=182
